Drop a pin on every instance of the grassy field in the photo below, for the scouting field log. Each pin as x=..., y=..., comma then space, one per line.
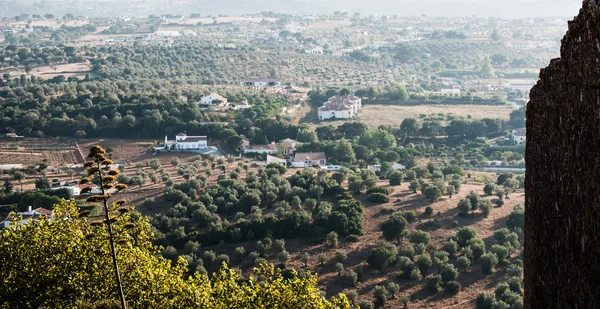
x=376, y=115
x=78, y=70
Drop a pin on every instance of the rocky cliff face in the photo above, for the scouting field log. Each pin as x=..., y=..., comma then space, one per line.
x=562, y=211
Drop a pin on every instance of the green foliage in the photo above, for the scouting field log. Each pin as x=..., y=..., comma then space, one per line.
x=434, y=284
x=452, y=288
x=381, y=257
x=419, y=237
x=395, y=228
x=464, y=207
x=433, y=193
x=396, y=178
x=488, y=263
x=75, y=247
x=423, y=262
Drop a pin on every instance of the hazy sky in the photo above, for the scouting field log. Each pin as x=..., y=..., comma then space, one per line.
x=505, y=8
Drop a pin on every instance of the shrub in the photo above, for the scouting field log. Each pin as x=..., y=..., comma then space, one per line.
x=448, y=273
x=353, y=238
x=451, y=247
x=366, y=304
x=341, y=256
x=378, y=198
x=428, y=211
x=382, y=190
x=396, y=178
x=485, y=301
x=381, y=257
x=463, y=263
x=464, y=235
x=489, y=189
x=409, y=215
x=500, y=251
x=488, y=262
x=424, y=262
x=464, y=206
x=434, y=284
x=350, y=278
x=452, y=287
x=486, y=208
x=222, y=258
x=380, y=294
x=432, y=193
x=419, y=237
x=408, y=252
x=415, y=275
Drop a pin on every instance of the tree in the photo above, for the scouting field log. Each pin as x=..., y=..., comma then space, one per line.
x=424, y=262
x=488, y=262
x=42, y=183
x=18, y=176
x=414, y=185
x=332, y=239
x=464, y=207
x=464, y=235
x=78, y=248
x=339, y=177
x=380, y=294
x=395, y=228
x=396, y=178
x=434, y=284
x=450, y=190
x=409, y=127
x=489, y=188
x=305, y=258
x=452, y=287
x=419, y=237
x=432, y=193
x=448, y=273
x=381, y=257
x=495, y=35
x=463, y=263
x=8, y=187
x=321, y=258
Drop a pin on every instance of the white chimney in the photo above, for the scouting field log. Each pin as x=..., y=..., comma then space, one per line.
x=29, y=209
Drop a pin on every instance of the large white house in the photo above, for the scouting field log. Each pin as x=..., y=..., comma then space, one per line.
x=340, y=107
x=519, y=136
x=211, y=99
x=260, y=82
x=308, y=159
x=241, y=105
x=185, y=142
x=268, y=149
x=30, y=214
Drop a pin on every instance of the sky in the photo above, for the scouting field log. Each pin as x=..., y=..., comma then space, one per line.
x=504, y=8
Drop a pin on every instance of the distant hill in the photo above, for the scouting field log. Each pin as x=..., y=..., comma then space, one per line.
x=93, y=8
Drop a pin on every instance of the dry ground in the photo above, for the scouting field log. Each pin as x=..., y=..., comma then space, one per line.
x=389, y=115
x=47, y=72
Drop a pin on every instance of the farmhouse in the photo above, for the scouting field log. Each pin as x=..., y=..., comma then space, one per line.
x=168, y=19
x=241, y=105
x=30, y=214
x=340, y=107
x=184, y=142
x=260, y=82
x=272, y=159
x=518, y=136
x=211, y=99
x=268, y=149
x=13, y=135
x=308, y=159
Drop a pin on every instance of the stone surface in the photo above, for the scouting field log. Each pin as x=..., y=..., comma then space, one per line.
x=562, y=204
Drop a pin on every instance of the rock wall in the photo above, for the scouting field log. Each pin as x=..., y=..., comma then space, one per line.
x=562, y=204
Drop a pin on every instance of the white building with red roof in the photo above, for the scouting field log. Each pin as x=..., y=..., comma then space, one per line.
x=211, y=99
x=308, y=159
x=186, y=142
x=340, y=107
x=519, y=136
x=29, y=215
x=268, y=149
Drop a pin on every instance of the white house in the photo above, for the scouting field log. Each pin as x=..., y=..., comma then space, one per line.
x=377, y=167
x=30, y=214
x=308, y=159
x=268, y=149
x=519, y=136
x=209, y=100
x=260, y=82
x=241, y=105
x=340, y=107
x=525, y=87
x=184, y=142
x=272, y=159
x=314, y=51
x=172, y=19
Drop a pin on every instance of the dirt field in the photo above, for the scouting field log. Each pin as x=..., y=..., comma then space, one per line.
x=193, y=21
x=376, y=115
x=78, y=70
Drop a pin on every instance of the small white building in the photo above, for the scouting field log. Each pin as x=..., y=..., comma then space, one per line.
x=211, y=99
x=308, y=159
x=273, y=159
x=241, y=105
x=519, y=136
x=314, y=51
x=260, y=82
x=185, y=142
x=30, y=215
x=340, y=107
